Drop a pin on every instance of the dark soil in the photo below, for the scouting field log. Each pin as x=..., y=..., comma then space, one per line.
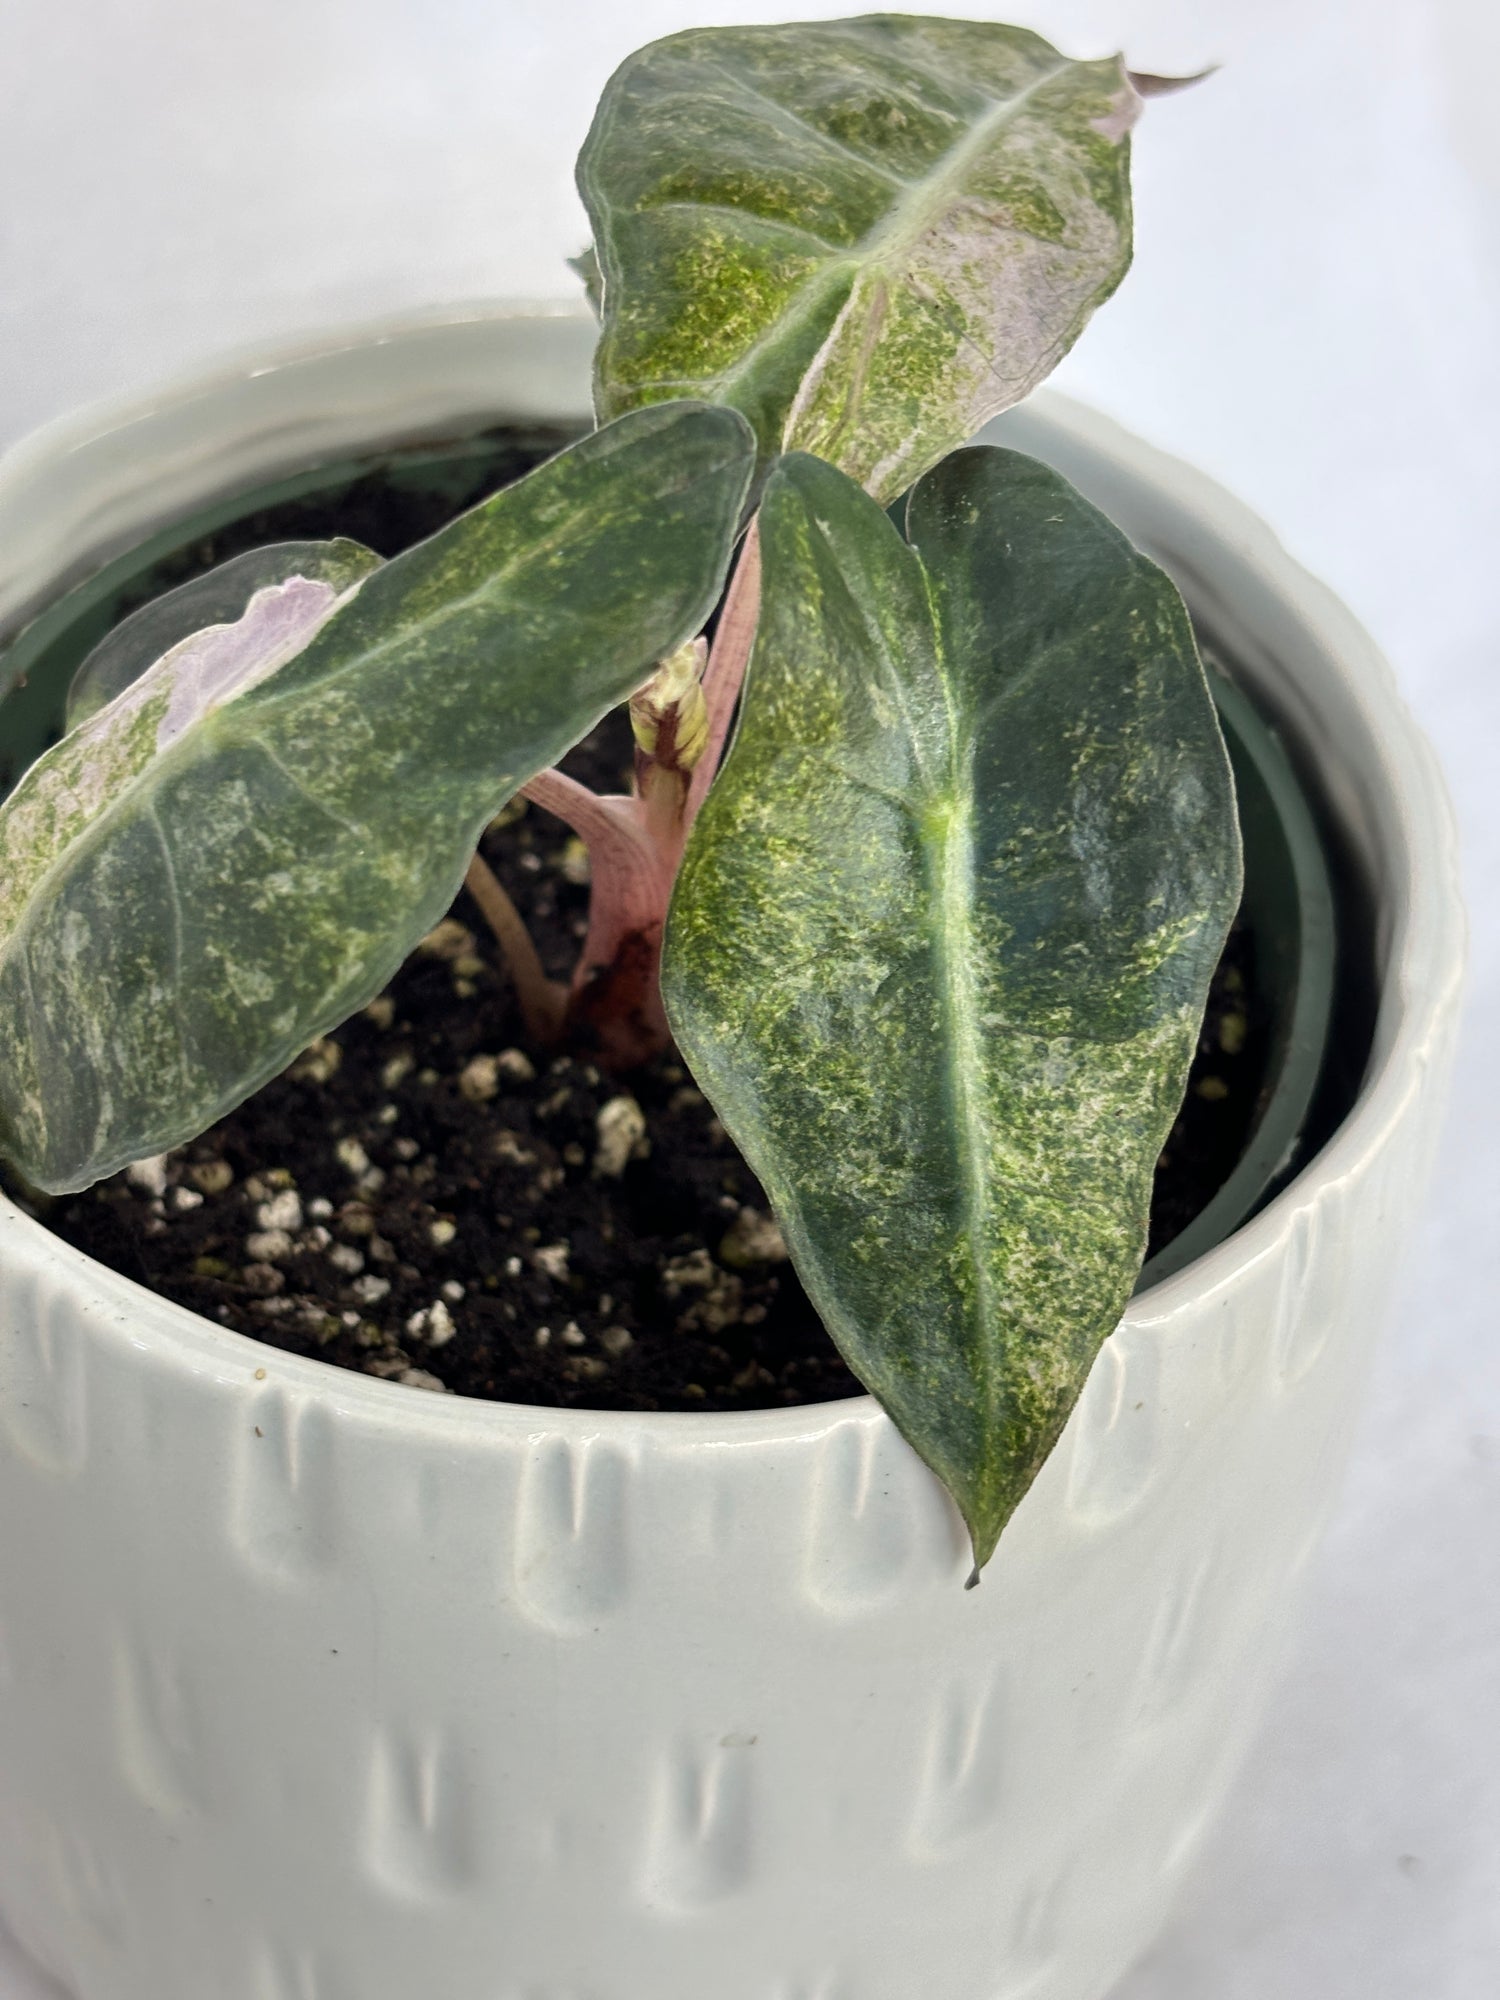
x=417, y=1198
x=390, y=506
x=1223, y=1094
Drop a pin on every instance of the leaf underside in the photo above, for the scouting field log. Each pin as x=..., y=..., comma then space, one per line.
x=868, y=235
x=241, y=848
x=942, y=941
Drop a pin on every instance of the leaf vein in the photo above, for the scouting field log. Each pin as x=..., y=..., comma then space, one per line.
x=185, y=1038
x=357, y=829
x=798, y=122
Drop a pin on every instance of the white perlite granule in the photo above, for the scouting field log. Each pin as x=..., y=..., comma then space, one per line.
x=433, y=1323
x=619, y=1128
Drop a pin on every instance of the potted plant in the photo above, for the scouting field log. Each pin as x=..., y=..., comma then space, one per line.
x=358, y=1691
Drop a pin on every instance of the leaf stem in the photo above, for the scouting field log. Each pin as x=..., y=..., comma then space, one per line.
x=725, y=673
x=573, y=803
x=541, y=999
x=635, y=844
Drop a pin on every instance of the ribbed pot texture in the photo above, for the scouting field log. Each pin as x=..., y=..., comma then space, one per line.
x=315, y=1687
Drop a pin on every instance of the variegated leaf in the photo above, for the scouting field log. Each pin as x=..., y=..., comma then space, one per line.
x=218, y=597
x=942, y=941
x=868, y=235
x=242, y=846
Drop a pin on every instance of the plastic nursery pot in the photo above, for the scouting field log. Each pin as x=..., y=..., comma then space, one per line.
x=1288, y=904
x=316, y=1688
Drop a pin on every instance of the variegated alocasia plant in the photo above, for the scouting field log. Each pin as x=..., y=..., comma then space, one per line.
x=935, y=941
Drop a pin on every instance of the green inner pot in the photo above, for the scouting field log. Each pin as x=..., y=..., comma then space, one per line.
x=1288, y=904
x=1288, y=897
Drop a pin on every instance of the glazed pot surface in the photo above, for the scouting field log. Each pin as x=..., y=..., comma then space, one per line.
x=313, y=1687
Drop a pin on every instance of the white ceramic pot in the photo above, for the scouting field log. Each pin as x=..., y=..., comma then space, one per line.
x=314, y=1687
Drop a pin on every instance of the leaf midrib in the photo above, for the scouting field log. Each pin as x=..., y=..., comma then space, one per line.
x=922, y=198
x=942, y=814
x=952, y=164
x=953, y=962
x=953, y=966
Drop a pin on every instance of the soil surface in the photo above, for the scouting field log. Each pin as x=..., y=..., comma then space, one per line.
x=391, y=505
x=422, y=1198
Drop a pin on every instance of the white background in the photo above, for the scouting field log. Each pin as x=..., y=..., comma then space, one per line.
x=1314, y=317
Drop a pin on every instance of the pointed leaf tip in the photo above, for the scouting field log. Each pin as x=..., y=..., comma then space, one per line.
x=1146, y=85
x=942, y=939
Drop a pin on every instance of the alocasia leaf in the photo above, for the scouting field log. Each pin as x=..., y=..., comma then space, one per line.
x=218, y=597
x=869, y=235
x=942, y=940
x=241, y=848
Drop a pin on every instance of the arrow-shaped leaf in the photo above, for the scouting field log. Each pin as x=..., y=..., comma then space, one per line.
x=240, y=849
x=868, y=235
x=942, y=940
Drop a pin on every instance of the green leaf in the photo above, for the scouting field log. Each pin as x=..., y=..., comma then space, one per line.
x=942, y=940
x=868, y=235
x=240, y=849
x=586, y=266
x=218, y=597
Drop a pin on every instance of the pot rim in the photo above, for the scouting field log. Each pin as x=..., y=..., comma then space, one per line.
x=1422, y=925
